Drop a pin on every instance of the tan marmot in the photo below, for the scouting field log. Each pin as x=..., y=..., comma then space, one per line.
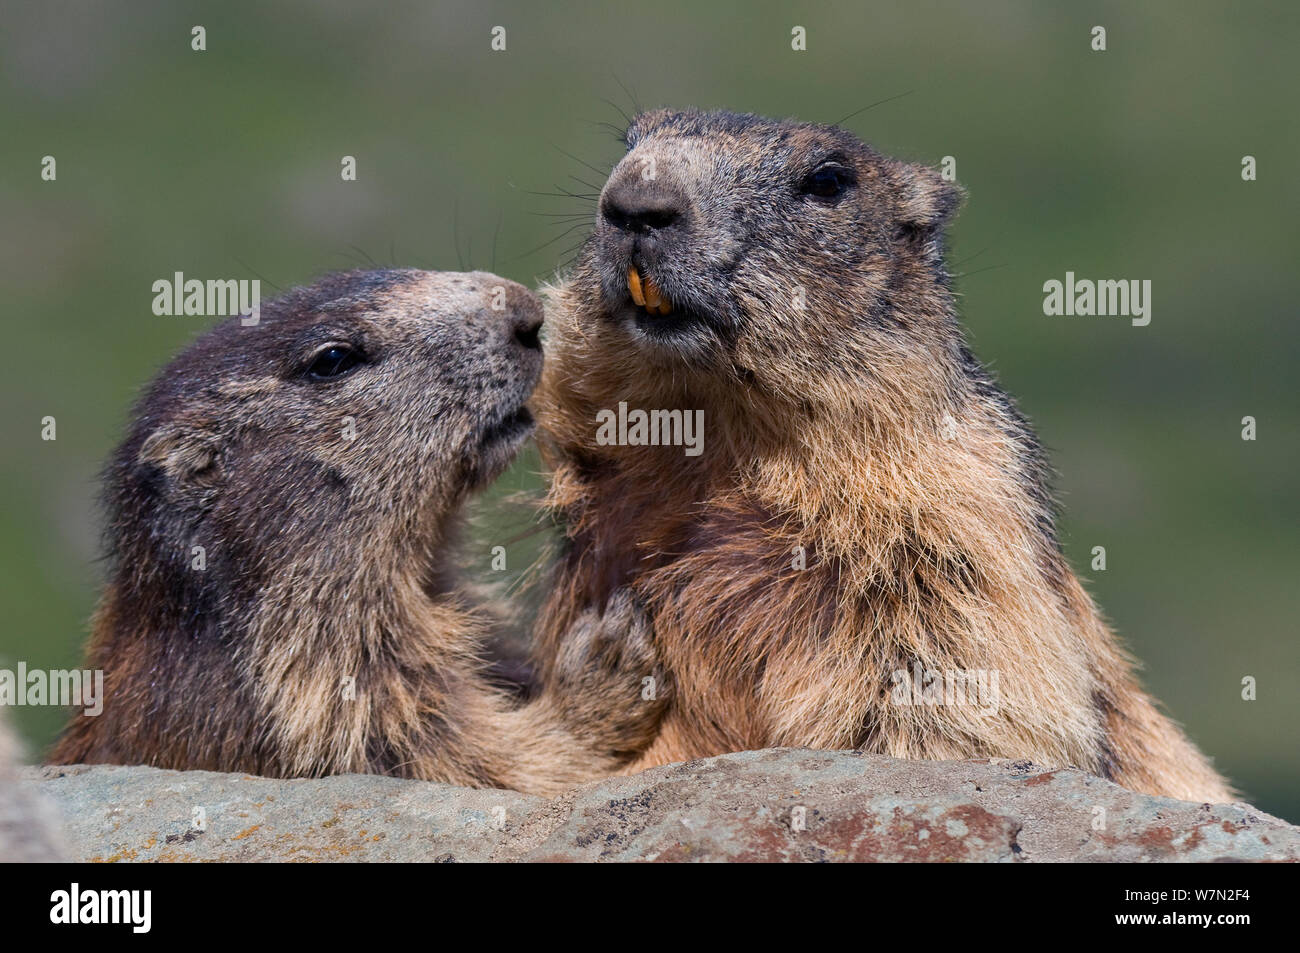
x=281, y=518
x=867, y=518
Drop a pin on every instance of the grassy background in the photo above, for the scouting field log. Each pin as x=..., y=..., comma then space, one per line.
x=1122, y=164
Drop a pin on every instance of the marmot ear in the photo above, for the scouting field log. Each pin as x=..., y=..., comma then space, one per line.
x=188, y=453
x=926, y=199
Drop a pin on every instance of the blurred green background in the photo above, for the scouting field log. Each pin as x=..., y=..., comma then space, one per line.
x=1121, y=164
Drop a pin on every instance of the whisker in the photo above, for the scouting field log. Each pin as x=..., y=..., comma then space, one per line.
x=619, y=134
x=455, y=232
x=352, y=258
x=571, y=254
x=559, y=237
x=977, y=254
x=967, y=274
x=600, y=172
x=265, y=281
x=569, y=215
x=564, y=195
x=495, y=233
x=630, y=95
x=617, y=108
x=364, y=254
x=879, y=102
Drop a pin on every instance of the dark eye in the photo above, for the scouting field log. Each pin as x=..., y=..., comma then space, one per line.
x=828, y=181
x=334, y=361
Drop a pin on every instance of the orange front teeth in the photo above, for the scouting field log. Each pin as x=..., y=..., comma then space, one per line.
x=645, y=293
x=652, y=299
x=634, y=286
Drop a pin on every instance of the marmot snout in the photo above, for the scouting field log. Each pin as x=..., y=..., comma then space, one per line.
x=753, y=235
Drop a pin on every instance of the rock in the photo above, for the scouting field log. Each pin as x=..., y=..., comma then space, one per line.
x=29, y=825
x=133, y=813
x=775, y=805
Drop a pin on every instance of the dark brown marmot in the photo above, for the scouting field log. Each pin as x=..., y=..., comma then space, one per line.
x=281, y=517
x=870, y=518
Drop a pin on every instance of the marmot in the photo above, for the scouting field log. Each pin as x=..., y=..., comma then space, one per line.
x=280, y=521
x=869, y=509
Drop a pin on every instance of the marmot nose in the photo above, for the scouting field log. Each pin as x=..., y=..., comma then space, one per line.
x=631, y=208
x=528, y=329
x=524, y=316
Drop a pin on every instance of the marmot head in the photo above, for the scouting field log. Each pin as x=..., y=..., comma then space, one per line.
x=357, y=412
x=777, y=253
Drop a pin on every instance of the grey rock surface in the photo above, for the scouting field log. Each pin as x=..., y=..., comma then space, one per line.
x=29, y=824
x=774, y=805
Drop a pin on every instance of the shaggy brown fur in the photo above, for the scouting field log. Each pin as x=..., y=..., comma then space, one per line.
x=328, y=555
x=845, y=419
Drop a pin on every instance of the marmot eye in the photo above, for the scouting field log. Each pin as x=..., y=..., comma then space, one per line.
x=335, y=361
x=828, y=181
